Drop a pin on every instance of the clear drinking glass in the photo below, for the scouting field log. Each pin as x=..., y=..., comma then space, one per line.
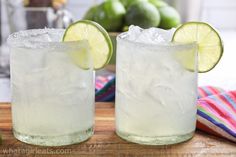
x=156, y=91
x=36, y=14
x=52, y=96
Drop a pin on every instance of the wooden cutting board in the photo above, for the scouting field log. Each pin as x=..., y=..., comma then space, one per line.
x=105, y=143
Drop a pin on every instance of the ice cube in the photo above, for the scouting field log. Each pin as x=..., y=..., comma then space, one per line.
x=152, y=35
x=134, y=32
x=44, y=35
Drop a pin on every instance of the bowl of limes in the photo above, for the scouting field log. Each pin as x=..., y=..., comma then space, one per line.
x=117, y=15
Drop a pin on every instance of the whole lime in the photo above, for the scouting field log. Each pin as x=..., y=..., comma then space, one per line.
x=127, y=3
x=110, y=14
x=142, y=14
x=158, y=3
x=89, y=15
x=125, y=28
x=169, y=17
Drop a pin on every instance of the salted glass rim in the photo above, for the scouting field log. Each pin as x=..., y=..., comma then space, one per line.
x=122, y=37
x=38, y=46
x=19, y=39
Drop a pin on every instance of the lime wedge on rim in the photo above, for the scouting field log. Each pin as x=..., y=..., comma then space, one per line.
x=210, y=45
x=99, y=41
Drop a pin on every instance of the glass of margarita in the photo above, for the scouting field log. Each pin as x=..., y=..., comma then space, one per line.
x=52, y=95
x=156, y=87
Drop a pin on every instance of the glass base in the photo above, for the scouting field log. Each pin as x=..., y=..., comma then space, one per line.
x=68, y=139
x=157, y=140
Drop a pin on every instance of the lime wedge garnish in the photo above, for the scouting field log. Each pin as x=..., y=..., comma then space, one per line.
x=210, y=46
x=97, y=37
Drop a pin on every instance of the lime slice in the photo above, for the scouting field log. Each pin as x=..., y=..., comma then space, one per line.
x=80, y=54
x=97, y=37
x=210, y=46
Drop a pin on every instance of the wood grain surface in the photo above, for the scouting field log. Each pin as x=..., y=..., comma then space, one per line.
x=105, y=143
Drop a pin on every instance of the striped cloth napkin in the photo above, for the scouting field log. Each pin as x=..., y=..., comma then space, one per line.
x=216, y=112
x=216, y=108
x=105, y=88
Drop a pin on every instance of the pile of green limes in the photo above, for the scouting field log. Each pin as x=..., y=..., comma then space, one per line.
x=117, y=15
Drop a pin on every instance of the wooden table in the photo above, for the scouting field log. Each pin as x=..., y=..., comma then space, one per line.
x=106, y=143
